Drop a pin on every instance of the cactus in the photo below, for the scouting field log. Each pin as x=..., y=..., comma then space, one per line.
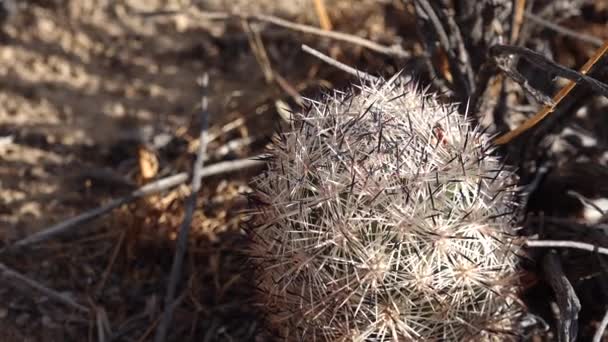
x=385, y=216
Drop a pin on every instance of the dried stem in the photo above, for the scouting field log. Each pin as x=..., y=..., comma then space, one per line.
x=518, y=20
x=148, y=189
x=16, y=277
x=113, y=258
x=348, y=69
x=184, y=231
x=568, y=302
x=597, y=337
x=394, y=50
x=65, y=226
x=546, y=110
x=563, y=30
x=548, y=65
x=566, y=244
x=322, y=14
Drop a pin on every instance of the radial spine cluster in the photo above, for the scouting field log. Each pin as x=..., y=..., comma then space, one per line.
x=384, y=215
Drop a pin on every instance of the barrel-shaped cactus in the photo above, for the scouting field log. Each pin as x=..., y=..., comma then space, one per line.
x=384, y=215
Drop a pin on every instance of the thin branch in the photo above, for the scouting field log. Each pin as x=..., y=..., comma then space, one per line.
x=231, y=166
x=546, y=110
x=113, y=257
x=518, y=78
x=155, y=323
x=259, y=51
x=563, y=30
x=550, y=66
x=518, y=20
x=599, y=333
x=348, y=69
x=452, y=43
x=462, y=62
x=423, y=6
x=566, y=244
x=65, y=226
x=148, y=189
x=567, y=301
x=184, y=231
x=393, y=50
x=103, y=324
x=15, y=276
x=321, y=10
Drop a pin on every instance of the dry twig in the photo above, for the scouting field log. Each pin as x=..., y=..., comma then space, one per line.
x=563, y=30
x=518, y=19
x=597, y=337
x=437, y=26
x=65, y=226
x=322, y=14
x=567, y=301
x=103, y=324
x=148, y=189
x=231, y=166
x=546, y=110
x=566, y=244
x=518, y=78
x=548, y=65
x=348, y=69
x=17, y=278
x=184, y=231
x=393, y=50
x=106, y=273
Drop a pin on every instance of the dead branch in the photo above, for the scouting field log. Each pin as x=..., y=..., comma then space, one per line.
x=546, y=110
x=321, y=10
x=146, y=190
x=184, y=231
x=597, y=337
x=65, y=226
x=393, y=50
x=566, y=244
x=567, y=301
x=16, y=279
x=436, y=26
x=520, y=79
x=346, y=68
x=550, y=66
x=231, y=166
x=563, y=30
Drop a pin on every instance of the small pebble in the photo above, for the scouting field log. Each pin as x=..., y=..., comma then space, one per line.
x=3, y=313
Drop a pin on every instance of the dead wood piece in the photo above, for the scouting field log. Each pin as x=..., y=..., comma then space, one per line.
x=65, y=226
x=563, y=30
x=550, y=66
x=184, y=231
x=546, y=110
x=346, y=68
x=597, y=337
x=436, y=25
x=146, y=190
x=567, y=301
x=18, y=280
x=393, y=50
x=566, y=244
